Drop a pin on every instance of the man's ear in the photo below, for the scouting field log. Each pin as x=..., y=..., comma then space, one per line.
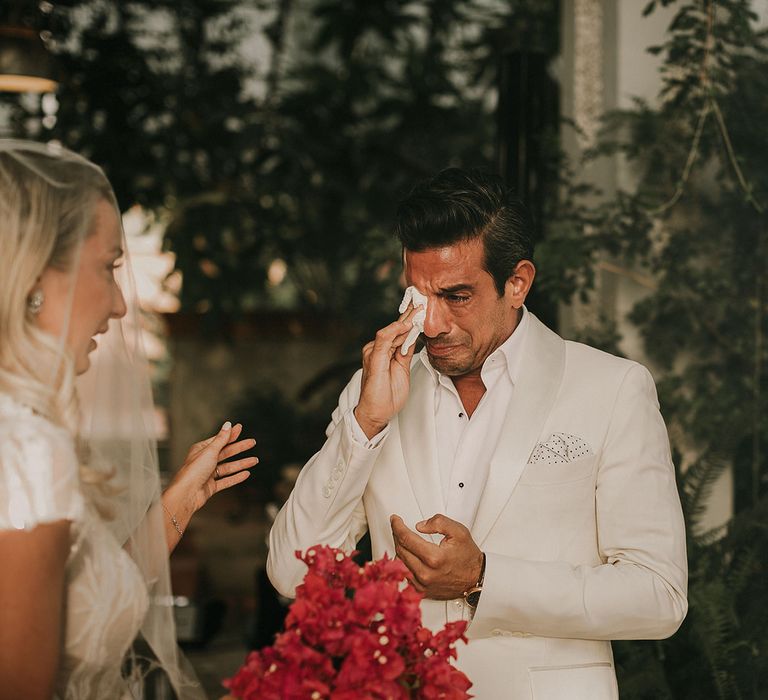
x=519, y=283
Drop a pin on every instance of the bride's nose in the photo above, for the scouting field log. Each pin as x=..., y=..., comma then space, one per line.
x=119, y=308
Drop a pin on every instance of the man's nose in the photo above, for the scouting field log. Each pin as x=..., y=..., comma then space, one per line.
x=435, y=322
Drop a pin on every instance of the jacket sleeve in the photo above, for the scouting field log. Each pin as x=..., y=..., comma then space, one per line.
x=325, y=506
x=639, y=591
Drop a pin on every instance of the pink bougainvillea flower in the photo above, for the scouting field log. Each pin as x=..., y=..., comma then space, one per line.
x=354, y=633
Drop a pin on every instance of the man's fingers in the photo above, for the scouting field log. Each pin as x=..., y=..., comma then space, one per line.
x=384, y=345
x=421, y=589
x=409, y=342
x=414, y=566
x=386, y=336
x=409, y=540
x=391, y=337
x=410, y=336
x=409, y=311
x=441, y=524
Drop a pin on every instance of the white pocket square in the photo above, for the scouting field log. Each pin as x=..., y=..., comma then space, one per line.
x=561, y=448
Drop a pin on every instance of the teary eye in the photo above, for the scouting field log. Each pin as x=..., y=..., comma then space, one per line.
x=457, y=298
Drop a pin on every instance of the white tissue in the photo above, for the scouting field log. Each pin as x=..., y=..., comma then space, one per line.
x=415, y=297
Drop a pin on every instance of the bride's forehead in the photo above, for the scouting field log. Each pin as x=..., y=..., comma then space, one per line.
x=106, y=234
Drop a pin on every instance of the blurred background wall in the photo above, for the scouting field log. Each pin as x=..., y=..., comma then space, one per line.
x=258, y=149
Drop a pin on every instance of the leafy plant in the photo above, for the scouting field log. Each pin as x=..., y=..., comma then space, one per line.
x=291, y=161
x=695, y=229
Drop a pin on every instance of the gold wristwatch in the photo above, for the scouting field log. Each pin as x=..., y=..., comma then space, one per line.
x=472, y=596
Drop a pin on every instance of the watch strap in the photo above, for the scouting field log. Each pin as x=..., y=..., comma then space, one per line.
x=472, y=596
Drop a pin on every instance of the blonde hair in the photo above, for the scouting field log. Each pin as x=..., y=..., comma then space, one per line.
x=47, y=204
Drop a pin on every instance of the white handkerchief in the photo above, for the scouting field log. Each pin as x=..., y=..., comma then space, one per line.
x=415, y=297
x=561, y=448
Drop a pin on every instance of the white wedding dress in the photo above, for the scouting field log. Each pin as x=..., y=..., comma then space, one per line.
x=106, y=597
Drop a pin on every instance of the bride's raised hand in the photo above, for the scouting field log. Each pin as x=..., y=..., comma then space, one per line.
x=204, y=473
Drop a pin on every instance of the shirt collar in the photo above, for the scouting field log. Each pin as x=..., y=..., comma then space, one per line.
x=510, y=351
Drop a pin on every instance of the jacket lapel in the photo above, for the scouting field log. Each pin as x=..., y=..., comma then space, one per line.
x=541, y=371
x=418, y=437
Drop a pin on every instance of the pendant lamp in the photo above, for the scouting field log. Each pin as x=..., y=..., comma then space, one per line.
x=25, y=64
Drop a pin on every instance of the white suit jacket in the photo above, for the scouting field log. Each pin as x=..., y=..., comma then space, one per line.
x=580, y=519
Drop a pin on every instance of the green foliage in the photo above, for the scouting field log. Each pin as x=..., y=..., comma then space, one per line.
x=696, y=222
x=300, y=155
x=719, y=652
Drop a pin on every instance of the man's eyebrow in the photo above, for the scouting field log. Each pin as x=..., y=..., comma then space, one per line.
x=457, y=288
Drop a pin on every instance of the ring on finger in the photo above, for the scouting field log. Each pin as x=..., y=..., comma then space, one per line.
x=218, y=476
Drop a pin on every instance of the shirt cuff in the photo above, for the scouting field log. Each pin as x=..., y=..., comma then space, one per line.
x=361, y=438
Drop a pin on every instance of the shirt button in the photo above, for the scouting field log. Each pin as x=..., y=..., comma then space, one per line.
x=461, y=484
x=461, y=415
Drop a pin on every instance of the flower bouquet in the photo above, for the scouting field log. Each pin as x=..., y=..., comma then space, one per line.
x=354, y=633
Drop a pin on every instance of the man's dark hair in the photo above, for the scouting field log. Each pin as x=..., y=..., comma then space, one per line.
x=460, y=205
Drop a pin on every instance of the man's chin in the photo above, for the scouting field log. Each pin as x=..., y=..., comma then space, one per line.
x=449, y=366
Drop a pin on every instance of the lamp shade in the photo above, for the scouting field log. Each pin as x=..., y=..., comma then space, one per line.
x=25, y=64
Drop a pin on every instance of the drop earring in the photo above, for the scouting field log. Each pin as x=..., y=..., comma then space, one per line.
x=35, y=302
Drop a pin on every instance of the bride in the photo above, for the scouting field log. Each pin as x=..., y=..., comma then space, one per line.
x=85, y=532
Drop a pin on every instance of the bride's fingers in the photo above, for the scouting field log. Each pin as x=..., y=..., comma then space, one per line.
x=236, y=448
x=229, y=481
x=237, y=428
x=198, y=447
x=238, y=465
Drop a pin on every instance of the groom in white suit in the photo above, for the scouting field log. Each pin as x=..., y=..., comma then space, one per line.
x=524, y=480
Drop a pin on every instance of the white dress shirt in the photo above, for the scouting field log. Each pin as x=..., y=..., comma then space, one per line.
x=466, y=444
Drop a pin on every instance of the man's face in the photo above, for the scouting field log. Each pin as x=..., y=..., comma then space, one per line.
x=466, y=318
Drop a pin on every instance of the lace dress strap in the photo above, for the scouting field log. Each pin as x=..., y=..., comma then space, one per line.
x=39, y=475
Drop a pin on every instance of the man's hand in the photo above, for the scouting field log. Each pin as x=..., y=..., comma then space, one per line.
x=386, y=376
x=444, y=571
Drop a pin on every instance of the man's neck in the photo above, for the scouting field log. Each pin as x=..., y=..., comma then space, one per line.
x=470, y=388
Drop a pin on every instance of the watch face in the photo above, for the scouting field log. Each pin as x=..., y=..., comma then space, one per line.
x=473, y=598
